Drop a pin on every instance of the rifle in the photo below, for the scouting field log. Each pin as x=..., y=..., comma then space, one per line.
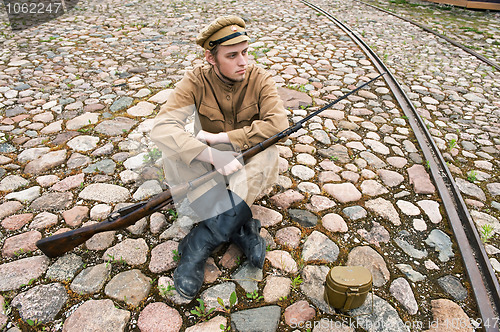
x=56, y=245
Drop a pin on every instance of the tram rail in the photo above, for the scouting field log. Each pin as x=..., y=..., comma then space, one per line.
x=486, y=288
x=448, y=39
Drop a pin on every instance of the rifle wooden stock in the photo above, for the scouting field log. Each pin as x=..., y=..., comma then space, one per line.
x=56, y=245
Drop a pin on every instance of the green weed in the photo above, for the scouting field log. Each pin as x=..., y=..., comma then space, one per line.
x=232, y=302
x=176, y=257
x=167, y=291
x=472, y=176
x=152, y=156
x=486, y=233
x=469, y=29
x=173, y=213
x=255, y=296
x=201, y=311
x=32, y=322
x=452, y=144
x=297, y=281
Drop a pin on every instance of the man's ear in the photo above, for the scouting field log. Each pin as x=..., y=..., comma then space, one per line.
x=209, y=57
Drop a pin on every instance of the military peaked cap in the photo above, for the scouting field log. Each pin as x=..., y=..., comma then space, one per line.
x=225, y=30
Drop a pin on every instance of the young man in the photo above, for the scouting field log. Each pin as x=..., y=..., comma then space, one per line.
x=236, y=106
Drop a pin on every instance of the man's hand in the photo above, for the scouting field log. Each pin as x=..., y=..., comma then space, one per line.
x=225, y=162
x=212, y=139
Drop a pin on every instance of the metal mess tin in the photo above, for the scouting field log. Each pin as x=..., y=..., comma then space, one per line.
x=347, y=287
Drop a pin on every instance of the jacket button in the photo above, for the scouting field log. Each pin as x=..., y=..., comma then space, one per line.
x=245, y=146
x=230, y=122
x=228, y=97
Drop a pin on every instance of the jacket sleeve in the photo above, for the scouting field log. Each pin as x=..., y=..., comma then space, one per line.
x=272, y=117
x=169, y=132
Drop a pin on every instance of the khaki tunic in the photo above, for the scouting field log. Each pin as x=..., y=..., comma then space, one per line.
x=249, y=112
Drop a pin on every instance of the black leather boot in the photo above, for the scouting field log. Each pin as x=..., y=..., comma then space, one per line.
x=248, y=239
x=195, y=248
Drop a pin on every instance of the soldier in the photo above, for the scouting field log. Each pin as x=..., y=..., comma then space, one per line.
x=235, y=106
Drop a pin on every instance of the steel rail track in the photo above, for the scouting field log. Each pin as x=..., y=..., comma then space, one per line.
x=484, y=282
x=448, y=39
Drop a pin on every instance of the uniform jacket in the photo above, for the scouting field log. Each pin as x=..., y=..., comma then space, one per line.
x=249, y=112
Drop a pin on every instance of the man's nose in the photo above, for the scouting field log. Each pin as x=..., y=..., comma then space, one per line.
x=242, y=60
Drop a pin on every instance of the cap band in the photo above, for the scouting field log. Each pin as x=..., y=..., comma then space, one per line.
x=213, y=43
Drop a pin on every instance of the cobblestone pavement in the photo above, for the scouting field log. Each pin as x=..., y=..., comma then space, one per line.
x=78, y=96
x=476, y=29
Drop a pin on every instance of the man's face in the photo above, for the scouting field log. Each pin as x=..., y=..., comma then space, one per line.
x=230, y=62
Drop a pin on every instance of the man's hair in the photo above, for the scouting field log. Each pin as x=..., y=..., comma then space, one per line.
x=214, y=51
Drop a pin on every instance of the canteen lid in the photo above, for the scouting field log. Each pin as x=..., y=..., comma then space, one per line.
x=350, y=276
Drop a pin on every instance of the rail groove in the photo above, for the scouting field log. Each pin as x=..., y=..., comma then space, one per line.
x=486, y=288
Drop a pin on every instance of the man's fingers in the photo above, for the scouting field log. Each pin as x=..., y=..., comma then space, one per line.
x=225, y=162
x=230, y=168
x=201, y=136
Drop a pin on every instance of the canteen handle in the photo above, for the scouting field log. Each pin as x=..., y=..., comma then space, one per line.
x=349, y=298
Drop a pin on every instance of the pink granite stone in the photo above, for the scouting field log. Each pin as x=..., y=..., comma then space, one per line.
x=329, y=176
x=267, y=217
x=212, y=272
x=443, y=311
x=276, y=288
x=44, y=220
x=421, y=180
x=76, y=215
x=21, y=243
x=213, y=324
x=343, y=192
x=329, y=165
x=17, y=221
x=9, y=208
x=390, y=178
x=69, y=183
x=289, y=236
x=320, y=203
x=282, y=260
x=15, y=274
x=231, y=257
x=284, y=200
x=334, y=223
x=162, y=257
x=97, y=315
x=299, y=312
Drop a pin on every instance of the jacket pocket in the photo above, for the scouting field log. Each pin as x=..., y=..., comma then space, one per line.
x=211, y=119
x=248, y=114
x=211, y=113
